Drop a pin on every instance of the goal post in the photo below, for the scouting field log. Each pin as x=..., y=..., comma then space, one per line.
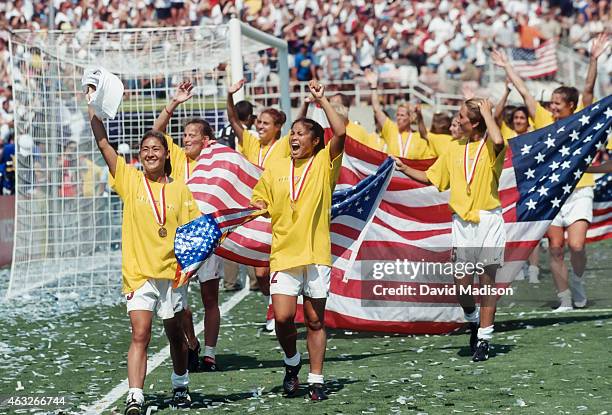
x=67, y=220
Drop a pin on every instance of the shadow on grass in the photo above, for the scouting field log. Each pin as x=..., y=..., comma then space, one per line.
x=496, y=348
x=233, y=362
x=511, y=325
x=208, y=401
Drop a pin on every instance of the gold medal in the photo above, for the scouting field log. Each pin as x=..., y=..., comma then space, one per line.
x=160, y=215
x=162, y=232
x=292, y=204
x=469, y=190
x=296, y=189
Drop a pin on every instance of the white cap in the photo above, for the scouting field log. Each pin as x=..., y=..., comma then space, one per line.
x=25, y=145
x=123, y=148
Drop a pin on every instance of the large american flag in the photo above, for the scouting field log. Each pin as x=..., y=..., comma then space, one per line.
x=414, y=221
x=534, y=63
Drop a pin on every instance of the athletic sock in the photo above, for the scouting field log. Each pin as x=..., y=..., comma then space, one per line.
x=136, y=394
x=209, y=351
x=293, y=361
x=314, y=378
x=473, y=317
x=181, y=381
x=485, y=333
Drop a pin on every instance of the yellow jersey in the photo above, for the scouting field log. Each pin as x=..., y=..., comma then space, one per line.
x=448, y=172
x=144, y=253
x=92, y=178
x=544, y=118
x=358, y=133
x=439, y=143
x=300, y=236
x=417, y=147
x=264, y=156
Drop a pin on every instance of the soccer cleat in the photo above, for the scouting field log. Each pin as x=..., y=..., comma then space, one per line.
x=181, y=398
x=565, y=298
x=482, y=351
x=576, y=284
x=473, y=336
x=316, y=392
x=133, y=407
x=208, y=364
x=193, y=359
x=291, y=383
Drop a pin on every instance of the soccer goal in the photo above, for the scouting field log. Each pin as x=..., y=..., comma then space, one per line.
x=68, y=222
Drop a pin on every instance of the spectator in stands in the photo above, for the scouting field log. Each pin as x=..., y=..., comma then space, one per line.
x=529, y=36
x=7, y=168
x=226, y=135
x=303, y=69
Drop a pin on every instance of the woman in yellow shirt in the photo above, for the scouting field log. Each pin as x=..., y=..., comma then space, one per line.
x=471, y=170
x=400, y=139
x=577, y=212
x=297, y=192
x=154, y=205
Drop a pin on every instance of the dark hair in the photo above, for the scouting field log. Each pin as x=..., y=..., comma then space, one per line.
x=162, y=139
x=316, y=129
x=440, y=123
x=346, y=100
x=279, y=118
x=569, y=94
x=205, y=127
x=244, y=110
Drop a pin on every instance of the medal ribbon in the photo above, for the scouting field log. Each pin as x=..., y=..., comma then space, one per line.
x=469, y=171
x=160, y=217
x=260, y=160
x=404, y=150
x=294, y=193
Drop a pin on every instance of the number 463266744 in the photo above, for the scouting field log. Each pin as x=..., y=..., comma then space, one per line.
x=32, y=401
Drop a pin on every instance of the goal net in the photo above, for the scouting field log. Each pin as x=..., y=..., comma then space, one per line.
x=68, y=222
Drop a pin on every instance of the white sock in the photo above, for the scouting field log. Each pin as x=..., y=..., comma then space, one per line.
x=565, y=297
x=181, y=381
x=135, y=393
x=534, y=269
x=209, y=351
x=293, y=361
x=485, y=333
x=473, y=317
x=314, y=378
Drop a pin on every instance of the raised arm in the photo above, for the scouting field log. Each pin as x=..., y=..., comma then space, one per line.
x=108, y=152
x=501, y=104
x=183, y=93
x=336, y=144
x=599, y=45
x=232, y=116
x=379, y=114
x=486, y=110
x=420, y=121
x=304, y=108
x=411, y=172
x=500, y=59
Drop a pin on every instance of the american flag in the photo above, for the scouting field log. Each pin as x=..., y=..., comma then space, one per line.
x=535, y=63
x=601, y=227
x=414, y=221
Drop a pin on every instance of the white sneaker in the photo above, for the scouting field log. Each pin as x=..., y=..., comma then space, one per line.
x=271, y=326
x=578, y=291
x=533, y=273
x=566, y=302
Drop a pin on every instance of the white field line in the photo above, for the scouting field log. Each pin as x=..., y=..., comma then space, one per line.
x=122, y=388
x=574, y=311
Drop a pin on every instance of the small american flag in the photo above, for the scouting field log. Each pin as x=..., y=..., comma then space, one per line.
x=535, y=63
x=601, y=227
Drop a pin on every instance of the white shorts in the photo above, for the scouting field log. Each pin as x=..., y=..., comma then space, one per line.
x=309, y=280
x=157, y=295
x=211, y=269
x=579, y=206
x=482, y=242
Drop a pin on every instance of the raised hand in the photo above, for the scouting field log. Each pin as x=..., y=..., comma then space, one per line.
x=183, y=92
x=499, y=58
x=316, y=89
x=485, y=106
x=372, y=78
x=234, y=88
x=599, y=45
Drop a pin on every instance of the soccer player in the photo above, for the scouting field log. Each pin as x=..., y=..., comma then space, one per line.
x=519, y=123
x=354, y=130
x=154, y=205
x=577, y=212
x=400, y=139
x=263, y=151
x=297, y=192
x=471, y=169
x=197, y=135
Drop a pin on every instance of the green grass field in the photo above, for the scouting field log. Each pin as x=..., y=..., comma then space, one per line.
x=543, y=363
